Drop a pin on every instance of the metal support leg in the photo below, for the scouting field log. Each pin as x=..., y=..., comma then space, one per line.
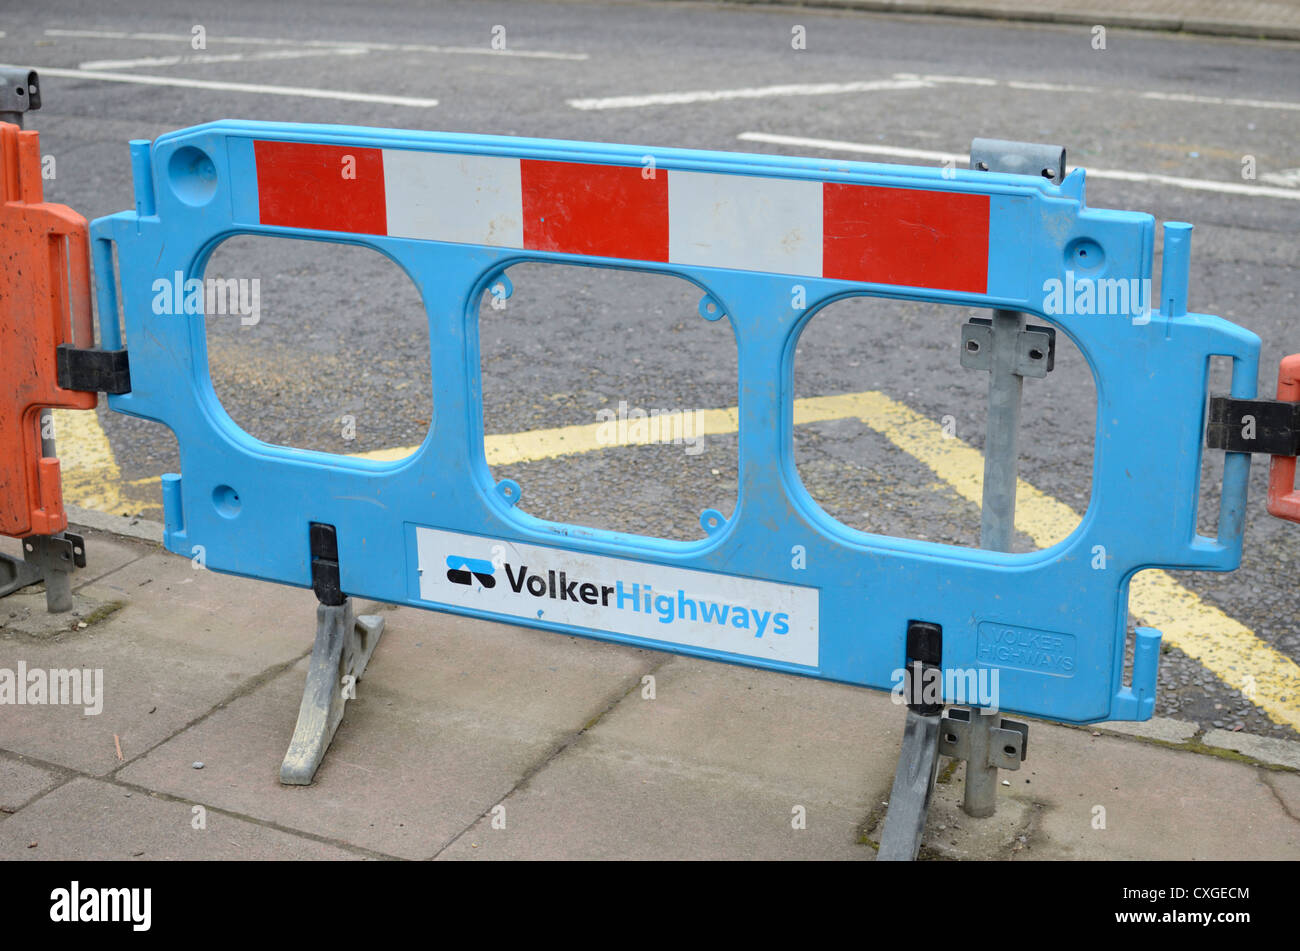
x=909, y=801
x=16, y=574
x=918, y=761
x=343, y=647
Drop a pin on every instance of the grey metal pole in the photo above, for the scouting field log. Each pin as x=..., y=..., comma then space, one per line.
x=1001, y=444
x=997, y=524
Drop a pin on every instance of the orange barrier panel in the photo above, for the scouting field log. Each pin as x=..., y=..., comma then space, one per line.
x=1283, y=496
x=44, y=302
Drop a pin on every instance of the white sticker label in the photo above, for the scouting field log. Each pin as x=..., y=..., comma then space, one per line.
x=761, y=619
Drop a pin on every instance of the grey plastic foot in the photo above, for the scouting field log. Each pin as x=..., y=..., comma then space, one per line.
x=16, y=574
x=343, y=647
x=909, y=802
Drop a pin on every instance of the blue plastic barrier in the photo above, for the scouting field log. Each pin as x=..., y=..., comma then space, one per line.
x=435, y=531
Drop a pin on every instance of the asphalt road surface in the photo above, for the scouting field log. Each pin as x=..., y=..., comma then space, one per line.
x=342, y=336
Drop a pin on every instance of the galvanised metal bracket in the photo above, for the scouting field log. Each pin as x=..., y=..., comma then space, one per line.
x=457, y=211
x=20, y=92
x=1035, y=348
x=1266, y=426
x=1007, y=748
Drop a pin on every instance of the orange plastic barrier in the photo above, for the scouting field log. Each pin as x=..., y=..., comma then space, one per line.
x=1283, y=496
x=44, y=302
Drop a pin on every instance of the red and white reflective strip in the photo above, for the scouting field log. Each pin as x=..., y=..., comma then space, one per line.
x=905, y=236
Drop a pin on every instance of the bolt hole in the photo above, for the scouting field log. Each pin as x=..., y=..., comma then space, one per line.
x=982, y=166
x=1035, y=354
x=21, y=91
x=1009, y=750
x=1048, y=174
x=972, y=346
x=952, y=737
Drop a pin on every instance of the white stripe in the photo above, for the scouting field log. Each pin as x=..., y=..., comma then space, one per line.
x=202, y=58
x=1194, y=184
x=257, y=88
x=1219, y=101
x=465, y=199
x=745, y=222
x=754, y=92
x=1068, y=87
x=278, y=41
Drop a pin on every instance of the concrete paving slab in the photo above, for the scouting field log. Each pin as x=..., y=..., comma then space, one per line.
x=1157, y=728
x=601, y=800
x=841, y=739
x=184, y=642
x=1158, y=803
x=88, y=819
x=1266, y=749
x=20, y=782
x=718, y=765
x=449, y=718
x=1286, y=786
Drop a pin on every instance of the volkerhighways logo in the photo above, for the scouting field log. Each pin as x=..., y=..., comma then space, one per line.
x=56, y=686
x=581, y=590
x=467, y=570
x=76, y=904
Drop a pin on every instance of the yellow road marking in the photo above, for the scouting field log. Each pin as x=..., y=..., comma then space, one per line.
x=1222, y=644
x=91, y=477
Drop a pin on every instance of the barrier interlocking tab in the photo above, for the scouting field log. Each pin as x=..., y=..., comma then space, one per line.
x=44, y=303
x=769, y=241
x=1283, y=494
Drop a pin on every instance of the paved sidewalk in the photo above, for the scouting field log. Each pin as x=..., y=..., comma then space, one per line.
x=456, y=717
x=1263, y=19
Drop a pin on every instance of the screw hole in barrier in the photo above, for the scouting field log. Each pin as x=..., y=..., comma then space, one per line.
x=510, y=491
x=712, y=521
x=226, y=501
x=1084, y=254
x=710, y=309
x=192, y=175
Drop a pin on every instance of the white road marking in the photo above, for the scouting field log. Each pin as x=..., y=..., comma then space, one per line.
x=750, y=92
x=1068, y=87
x=257, y=88
x=1220, y=101
x=203, y=58
x=284, y=41
x=1195, y=184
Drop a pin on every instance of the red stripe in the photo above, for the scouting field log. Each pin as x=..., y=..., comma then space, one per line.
x=905, y=236
x=321, y=187
x=611, y=211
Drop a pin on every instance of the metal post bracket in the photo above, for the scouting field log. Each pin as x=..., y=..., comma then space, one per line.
x=1008, y=746
x=1035, y=348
